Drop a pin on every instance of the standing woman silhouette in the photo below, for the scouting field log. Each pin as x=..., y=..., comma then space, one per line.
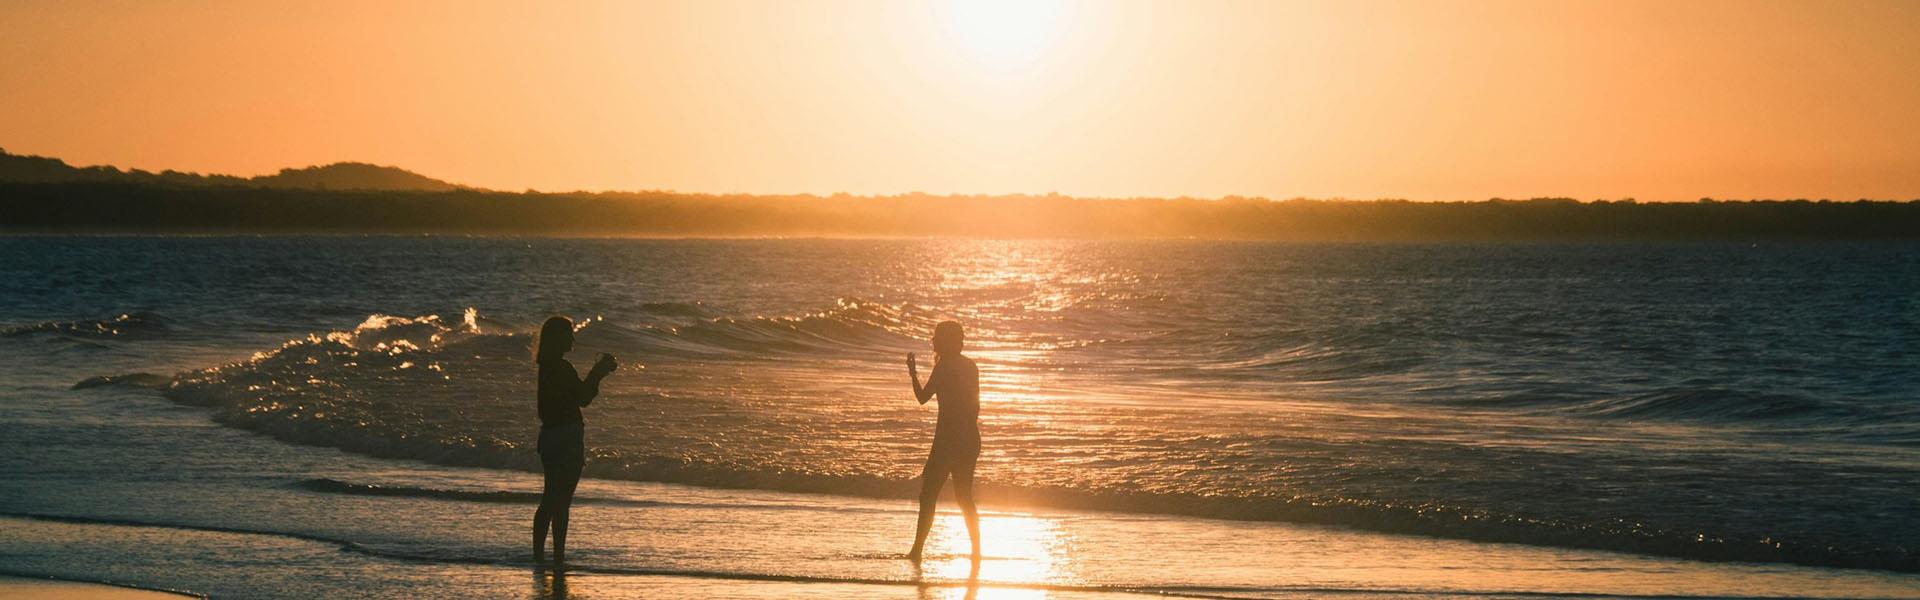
x=956, y=437
x=563, y=449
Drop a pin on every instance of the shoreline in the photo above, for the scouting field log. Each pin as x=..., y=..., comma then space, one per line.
x=31, y=587
x=319, y=567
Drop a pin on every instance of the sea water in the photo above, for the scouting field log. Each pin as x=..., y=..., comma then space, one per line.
x=1190, y=417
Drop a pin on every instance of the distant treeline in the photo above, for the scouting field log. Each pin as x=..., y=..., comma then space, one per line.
x=130, y=207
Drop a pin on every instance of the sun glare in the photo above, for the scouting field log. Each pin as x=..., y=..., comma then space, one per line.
x=1023, y=549
x=1003, y=34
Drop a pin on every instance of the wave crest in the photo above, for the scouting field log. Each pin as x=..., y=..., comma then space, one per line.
x=133, y=325
x=1715, y=404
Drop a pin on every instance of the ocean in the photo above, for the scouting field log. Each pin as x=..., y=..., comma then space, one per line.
x=1170, y=417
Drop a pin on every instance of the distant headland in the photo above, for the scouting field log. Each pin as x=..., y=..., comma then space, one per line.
x=46, y=195
x=15, y=168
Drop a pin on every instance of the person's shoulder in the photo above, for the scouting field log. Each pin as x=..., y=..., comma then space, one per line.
x=967, y=361
x=556, y=364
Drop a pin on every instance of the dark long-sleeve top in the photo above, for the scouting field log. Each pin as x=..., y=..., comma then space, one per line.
x=562, y=393
x=956, y=381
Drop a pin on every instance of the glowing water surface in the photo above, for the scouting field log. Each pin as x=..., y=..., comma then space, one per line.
x=1706, y=401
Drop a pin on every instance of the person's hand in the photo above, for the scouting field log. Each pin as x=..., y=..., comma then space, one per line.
x=911, y=367
x=606, y=364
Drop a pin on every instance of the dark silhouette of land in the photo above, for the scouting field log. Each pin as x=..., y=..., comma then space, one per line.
x=15, y=168
x=46, y=195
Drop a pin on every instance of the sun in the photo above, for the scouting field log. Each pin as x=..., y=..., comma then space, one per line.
x=1002, y=34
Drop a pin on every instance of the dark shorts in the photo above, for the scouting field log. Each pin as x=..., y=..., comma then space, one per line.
x=956, y=457
x=563, y=445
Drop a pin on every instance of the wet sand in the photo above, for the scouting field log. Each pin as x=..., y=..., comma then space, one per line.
x=23, y=588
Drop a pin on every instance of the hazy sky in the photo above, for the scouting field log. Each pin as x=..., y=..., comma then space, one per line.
x=1422, y=100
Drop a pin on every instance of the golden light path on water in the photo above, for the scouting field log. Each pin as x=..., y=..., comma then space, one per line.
x=1018, y=548
x=1021, y=550
x=1029, y=279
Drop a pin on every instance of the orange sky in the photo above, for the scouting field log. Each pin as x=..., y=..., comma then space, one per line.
x=1422, y=100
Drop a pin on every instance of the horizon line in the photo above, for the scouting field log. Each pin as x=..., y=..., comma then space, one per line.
x=921, y=193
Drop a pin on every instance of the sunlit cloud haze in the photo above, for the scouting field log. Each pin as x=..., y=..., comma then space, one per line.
x=1421, y=100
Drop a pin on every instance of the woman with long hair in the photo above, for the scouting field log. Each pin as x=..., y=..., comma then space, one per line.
x=563, y=450
x=956, y=436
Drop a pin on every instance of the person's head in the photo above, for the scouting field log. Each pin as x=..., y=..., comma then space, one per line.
x=556, y=338
x=948, y=338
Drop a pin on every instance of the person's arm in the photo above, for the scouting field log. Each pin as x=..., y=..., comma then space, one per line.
x=590, y=387
x=920, y=392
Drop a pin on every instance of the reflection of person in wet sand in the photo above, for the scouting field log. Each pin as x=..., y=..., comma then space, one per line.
x=929, y=590
x=550, y=586
x=956, y=438
x=563, y=450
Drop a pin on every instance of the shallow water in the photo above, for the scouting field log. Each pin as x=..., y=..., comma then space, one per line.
x=1690, y=400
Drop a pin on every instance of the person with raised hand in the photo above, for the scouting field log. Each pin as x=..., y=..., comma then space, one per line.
x=956, y=438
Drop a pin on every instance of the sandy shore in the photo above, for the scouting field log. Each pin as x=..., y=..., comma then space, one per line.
x=23, y=588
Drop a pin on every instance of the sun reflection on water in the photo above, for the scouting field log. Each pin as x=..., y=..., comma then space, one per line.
x=1018, y=548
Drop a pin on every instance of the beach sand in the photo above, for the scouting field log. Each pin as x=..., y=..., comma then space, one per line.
x=248, y=565
x=22, y=588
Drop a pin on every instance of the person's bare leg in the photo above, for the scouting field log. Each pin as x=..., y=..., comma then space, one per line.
x=963, y=494
x=563, y=508
x=540, y=522
x=543, y=516
x=931, y=479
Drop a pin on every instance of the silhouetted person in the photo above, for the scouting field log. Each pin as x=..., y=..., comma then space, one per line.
x=956, y=438
x=563, y=448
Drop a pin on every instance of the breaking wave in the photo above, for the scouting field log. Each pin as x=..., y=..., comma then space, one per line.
x=707, y=412
x=124, y=326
